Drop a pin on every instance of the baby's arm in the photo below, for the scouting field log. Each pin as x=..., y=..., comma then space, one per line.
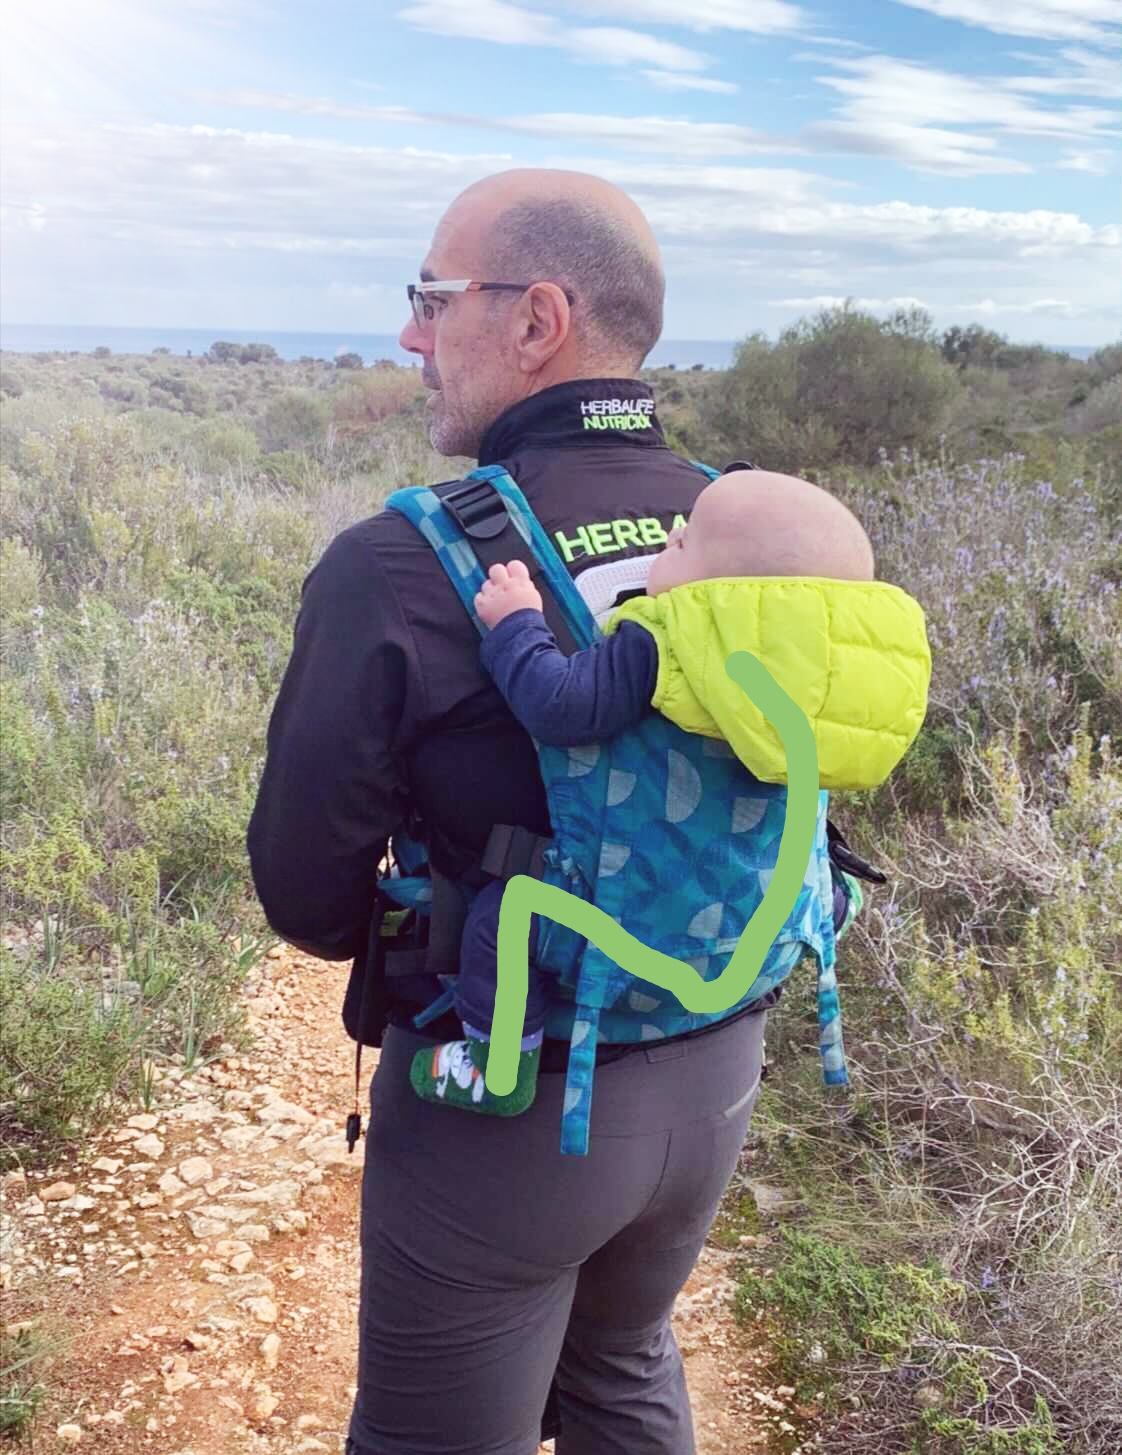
x=566, y=701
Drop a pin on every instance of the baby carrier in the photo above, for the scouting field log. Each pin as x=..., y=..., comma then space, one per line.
x=665, y=831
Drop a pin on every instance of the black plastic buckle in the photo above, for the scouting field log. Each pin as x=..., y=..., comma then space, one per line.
x=849, y=862
x=478, y=507
x=737, y=465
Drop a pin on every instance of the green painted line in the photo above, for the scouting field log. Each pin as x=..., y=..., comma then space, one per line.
x=524, y=897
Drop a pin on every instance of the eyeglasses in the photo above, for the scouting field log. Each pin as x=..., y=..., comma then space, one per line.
x=424, y=312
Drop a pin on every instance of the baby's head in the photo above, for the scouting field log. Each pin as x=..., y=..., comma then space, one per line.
x=756, y=523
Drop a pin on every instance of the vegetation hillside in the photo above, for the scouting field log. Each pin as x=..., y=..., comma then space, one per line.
x=949, y=1281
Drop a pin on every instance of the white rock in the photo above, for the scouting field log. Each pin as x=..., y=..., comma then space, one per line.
x=149, y=1146
x=270, y=1350
x=274, y=1194
x=330, y=1152
x=58, y=1192
x=144, y=1121
x=279, y=1132
x=80, y=1202
x=203, y=1228
x=195, y=1170
x=240, y=1139
x=225, y=1214
x=107, y=1164
x=70, y=1434
x=229, y=1246
x=264, y=1310
x=284, y=1111
x=178, y=1376
x=198, y=1111
x=170, y=1185
x=264, y=1405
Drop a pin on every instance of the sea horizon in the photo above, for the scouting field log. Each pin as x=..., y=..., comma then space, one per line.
x=292, y=344
x=33, y=338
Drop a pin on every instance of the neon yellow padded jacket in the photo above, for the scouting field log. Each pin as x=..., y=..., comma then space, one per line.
x=853, y=655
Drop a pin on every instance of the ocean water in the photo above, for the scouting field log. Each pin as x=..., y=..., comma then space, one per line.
x=32, y=338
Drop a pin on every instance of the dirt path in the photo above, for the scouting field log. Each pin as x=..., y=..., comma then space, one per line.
x=199, y=1265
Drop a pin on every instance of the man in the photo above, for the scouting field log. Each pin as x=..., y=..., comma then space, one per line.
x=491, y=1265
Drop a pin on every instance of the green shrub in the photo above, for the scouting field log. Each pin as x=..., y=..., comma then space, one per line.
x=21, y=1392
x=64, y=1057
x=841, y=387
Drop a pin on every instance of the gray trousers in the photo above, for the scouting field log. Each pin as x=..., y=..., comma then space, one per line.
x=490, y=1262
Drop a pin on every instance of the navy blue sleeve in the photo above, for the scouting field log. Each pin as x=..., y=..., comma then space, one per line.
x=567, y=701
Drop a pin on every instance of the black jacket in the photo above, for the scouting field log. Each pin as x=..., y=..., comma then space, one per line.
x=384, y=703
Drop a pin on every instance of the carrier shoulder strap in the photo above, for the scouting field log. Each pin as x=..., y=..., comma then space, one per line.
x=495, y=521
x=498, y=525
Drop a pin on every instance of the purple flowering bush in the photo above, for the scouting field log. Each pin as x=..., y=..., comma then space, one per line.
x=1019, y=579
x=982, y=988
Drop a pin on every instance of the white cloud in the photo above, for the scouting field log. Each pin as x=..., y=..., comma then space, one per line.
x=761, y=17
x=504, y=24
x=492, y=20
x=907, y=111
x=671, y=81
x=702, y=139
x=1093, y=20
x=836, y=43
x=250, y=228
x=658, y=134
x=882, y=89
x=889, y=110
x=833, y=300
x=285, y=191
x=1097, y=163
x=924, y=148
x=612, y=46
x=1060, y=307
x=1071, y=71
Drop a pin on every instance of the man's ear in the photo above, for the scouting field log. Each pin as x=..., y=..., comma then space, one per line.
x=544, y=324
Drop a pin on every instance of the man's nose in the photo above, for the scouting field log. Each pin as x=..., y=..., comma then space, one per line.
x=414, y=341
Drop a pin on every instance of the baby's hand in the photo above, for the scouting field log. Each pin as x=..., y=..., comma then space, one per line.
x=508, y=589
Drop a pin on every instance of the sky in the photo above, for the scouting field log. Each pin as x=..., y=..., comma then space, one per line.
x=280, y=164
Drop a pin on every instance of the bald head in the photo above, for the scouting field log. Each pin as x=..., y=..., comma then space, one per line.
x=582, y=233
x=758, y=523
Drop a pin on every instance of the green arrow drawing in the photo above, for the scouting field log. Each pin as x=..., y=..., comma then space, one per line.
x=524, y=897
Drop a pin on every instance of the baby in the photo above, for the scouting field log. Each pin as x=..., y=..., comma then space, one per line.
x=743, y=524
